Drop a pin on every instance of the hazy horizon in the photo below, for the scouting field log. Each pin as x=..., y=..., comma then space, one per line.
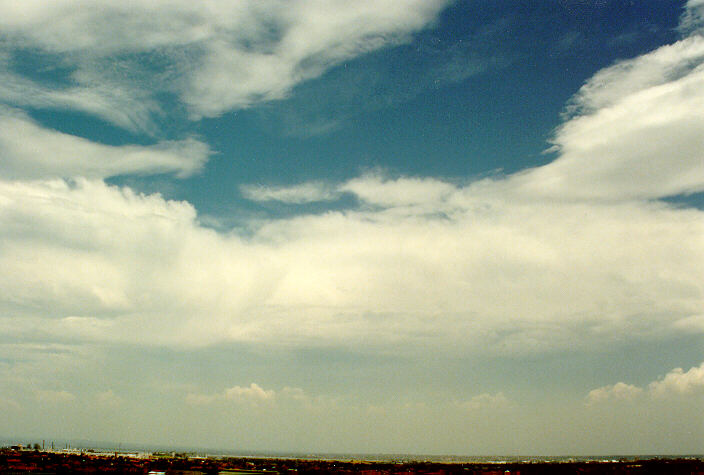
x=127, y=447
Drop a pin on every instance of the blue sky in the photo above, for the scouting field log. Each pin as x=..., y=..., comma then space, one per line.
x=409, y=226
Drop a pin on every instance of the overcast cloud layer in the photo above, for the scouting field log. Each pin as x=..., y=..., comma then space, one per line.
x=580, y=254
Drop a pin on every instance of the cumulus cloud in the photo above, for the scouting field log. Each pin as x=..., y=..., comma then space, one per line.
x=614, y=392
x=215, y=55
x=634, y=131
x=675, y=383
x=678, y=381
x=103, y=263
x=30, y=151
x=253, y=394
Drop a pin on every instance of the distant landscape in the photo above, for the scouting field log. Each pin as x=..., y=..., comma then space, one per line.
x=18, y=459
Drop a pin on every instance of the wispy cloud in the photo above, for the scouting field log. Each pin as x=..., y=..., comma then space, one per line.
x=214, y=55
x=373, y=82
x=30, y=151
x=123, y=105
x=633, y=130
x=692, y=20
x=309, y=192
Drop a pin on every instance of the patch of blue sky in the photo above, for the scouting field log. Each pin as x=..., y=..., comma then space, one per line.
x=43, y=67
x=479, y=92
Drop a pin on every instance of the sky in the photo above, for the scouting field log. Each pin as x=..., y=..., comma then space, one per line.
x=383, y=226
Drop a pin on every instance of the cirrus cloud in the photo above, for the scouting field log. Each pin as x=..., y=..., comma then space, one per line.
x=215, y=55
x=29, y=151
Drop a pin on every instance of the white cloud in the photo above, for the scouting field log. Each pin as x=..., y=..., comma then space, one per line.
x=29, y=151
x=566, y=255
x=217, y=55
x=312, y=36
x=614, y=392
x=309, y=192
x=675, y=383
x=376, y=190
x=678, y=381
x=635, y=132
x=373, y=189
x=480, y=273
x=485, y=401
x=124, y=105
x=253, y=394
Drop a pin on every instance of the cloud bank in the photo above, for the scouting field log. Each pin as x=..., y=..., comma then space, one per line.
x=473, y=267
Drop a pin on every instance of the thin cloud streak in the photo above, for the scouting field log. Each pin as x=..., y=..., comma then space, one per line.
x=29, y=151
